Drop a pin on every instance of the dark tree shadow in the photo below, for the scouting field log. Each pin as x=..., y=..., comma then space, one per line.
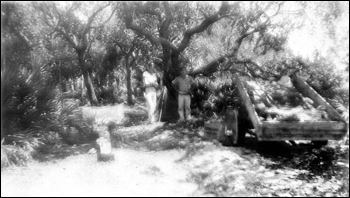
x=303, y=156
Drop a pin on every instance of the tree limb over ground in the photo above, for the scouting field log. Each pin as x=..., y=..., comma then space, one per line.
x=222, y=12
x=263, y=21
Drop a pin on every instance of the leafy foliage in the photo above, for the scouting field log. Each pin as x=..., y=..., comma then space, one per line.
x=21, y=148
x=28, y=97
x=327, y=84
x=213, y=96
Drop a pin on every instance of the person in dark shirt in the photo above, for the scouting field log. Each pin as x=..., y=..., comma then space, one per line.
x=184, y=84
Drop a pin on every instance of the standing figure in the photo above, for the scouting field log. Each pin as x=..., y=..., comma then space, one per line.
x=150, y=82
x=184, y=84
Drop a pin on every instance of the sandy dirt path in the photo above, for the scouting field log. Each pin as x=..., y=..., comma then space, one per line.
x=133, y=173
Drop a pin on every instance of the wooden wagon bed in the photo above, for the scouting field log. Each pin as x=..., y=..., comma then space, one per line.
x=295, y=130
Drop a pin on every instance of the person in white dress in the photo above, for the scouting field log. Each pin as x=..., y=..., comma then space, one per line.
x=150, y=83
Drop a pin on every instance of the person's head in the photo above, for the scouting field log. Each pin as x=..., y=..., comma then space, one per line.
x=152, y=67
x=183, y=71
x=149, y=69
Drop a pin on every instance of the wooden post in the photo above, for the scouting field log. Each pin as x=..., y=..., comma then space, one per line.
x=308, y=91
x=249, y=106
x=105, y=147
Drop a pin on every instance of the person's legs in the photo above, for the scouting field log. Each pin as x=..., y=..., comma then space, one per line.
x=181, y=103
x=146, y=94
x=150, y=95
x=187, y=105
x=153, y=103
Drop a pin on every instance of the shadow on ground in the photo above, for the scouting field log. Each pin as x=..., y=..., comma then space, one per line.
x=302, y=155
x=255, y=169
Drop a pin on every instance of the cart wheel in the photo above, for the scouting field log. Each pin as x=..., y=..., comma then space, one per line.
x=319, y=143
x=238, y=135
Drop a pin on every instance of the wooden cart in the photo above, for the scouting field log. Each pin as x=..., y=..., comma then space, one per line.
x=295, y=130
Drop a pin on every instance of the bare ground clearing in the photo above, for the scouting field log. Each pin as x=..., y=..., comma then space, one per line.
x=176, y=160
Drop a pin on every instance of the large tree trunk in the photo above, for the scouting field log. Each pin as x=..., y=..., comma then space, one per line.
x=128, y=82
x=87, y=81
x=169, y=106
x=110, y=81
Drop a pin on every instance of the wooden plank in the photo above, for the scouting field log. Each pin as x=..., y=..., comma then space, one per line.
x=308, y=91
x=283, y=137
x=320, y=125
x=308, y=132
x=249, y=106
x=267, y=131
x=303, y=130
x=301, y=135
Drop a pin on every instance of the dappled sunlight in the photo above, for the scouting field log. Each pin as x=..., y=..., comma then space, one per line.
x=162, y=159
x=228, y=171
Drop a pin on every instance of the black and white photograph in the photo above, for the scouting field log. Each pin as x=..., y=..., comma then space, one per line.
x=174, y=98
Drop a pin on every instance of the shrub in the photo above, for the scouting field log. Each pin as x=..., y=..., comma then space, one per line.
x=29, y=98
x=33, y=110
x=19, y=148
x=214, y=97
